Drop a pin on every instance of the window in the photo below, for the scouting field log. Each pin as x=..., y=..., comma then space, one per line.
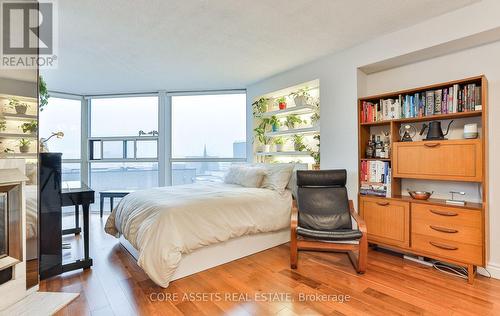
x=64, y=115
x=123, y=147
x=208, y=134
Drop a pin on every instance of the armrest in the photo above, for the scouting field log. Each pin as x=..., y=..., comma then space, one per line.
x=295, y=216
x=357, y=218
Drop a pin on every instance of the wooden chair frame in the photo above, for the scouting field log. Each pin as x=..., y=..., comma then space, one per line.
x=358, y=261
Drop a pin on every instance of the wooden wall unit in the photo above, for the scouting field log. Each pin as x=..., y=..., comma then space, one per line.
x=432, y=228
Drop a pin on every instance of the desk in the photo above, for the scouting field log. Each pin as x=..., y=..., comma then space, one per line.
x=84, y=196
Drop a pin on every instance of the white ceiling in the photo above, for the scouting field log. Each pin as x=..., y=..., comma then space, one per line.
x=137, y=45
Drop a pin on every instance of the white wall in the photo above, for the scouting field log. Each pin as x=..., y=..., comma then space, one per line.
x=341, y=83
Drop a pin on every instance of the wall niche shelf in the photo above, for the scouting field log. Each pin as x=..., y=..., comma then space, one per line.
x=17, y=135
x=304, y=109
x=284, y=153
x=306, y=130
x=15, y=116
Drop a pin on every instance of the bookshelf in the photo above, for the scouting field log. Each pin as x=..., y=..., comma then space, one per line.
x=397, y=221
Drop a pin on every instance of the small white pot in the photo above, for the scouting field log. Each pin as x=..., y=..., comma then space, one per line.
x=266, y=148
x=279, y=147
x=300, y=101
x=283, y=128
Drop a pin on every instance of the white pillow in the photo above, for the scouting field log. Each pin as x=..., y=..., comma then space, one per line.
x=278, y=176
x=247, y=176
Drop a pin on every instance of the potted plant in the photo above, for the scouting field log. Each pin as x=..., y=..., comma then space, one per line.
x=292, y=121
x=315, y=119
x=18, y=106
x=24, y=145
x=316, y=154
x=298, y=143
x=275, y=123
x=281, y=103
x=279, y=142
x=30, y=127
x=301, y=96
x=265, y=142
x=260, y=106
x=3, y=125
x=43, y=93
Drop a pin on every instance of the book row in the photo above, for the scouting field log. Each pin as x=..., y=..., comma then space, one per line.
x=375, y=178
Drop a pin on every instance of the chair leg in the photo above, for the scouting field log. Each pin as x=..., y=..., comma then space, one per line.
x=293, y=251
x=363, y=254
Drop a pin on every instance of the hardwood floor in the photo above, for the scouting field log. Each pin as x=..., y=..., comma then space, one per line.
x=263, y=284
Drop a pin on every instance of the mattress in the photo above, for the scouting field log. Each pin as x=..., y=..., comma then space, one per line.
x=165, y=223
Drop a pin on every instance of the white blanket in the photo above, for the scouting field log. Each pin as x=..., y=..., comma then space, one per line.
x=164, y=223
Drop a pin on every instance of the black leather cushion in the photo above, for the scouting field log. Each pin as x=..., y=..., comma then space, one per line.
x=322, y=200
x=337, y=235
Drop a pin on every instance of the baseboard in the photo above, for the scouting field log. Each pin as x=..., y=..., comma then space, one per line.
x=493, y=269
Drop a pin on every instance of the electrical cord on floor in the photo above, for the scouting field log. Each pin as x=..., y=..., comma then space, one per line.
x=460, y=272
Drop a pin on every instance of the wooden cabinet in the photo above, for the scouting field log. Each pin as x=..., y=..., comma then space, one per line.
x=387, y=220
x=453, y=160
x=448, y=232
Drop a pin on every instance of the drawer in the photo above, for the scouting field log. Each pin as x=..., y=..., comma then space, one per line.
x=387, y=221
x=449, y=232
x=458, y=160
x=456, y=251
x=452, y=217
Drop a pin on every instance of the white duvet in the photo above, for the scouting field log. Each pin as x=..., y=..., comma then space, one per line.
x=164, y=223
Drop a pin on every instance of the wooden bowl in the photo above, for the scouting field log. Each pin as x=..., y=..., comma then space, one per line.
x=420, y=195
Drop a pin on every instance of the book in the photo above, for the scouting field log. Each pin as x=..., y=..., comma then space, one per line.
x=429, y=101
x=437, y=101
x=478, y=99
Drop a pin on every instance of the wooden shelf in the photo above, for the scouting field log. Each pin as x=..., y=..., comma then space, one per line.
x=18, y=155
x=431, y=201
x=307, y=130
x=284, y=153
x=375, y=159
x=291, y=110
x=448, y=116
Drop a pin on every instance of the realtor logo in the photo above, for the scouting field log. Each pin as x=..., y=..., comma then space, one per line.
x=28, y=34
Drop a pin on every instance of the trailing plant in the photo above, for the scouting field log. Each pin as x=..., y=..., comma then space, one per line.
x=8, y=150
x=13, y=102
x=292, y=120
x=43, y=93
x=3, y=125
x=260, y=134
x=315, y=118
x=302, y=92
x=30, y=127
x=298, y=142
x=316, y=154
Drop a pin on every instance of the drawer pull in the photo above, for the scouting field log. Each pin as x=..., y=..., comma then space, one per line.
x=383, y=203
x=431, y=145
x=444, y=213
x=443, y=246
x=443, y=229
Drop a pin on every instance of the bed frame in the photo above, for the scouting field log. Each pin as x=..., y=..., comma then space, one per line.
x=220, y=253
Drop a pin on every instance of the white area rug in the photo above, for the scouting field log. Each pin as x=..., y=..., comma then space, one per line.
x=40, y=303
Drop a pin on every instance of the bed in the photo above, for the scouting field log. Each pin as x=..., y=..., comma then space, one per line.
x=177, y=231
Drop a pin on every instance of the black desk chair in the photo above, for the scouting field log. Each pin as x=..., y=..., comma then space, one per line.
x=322, y=221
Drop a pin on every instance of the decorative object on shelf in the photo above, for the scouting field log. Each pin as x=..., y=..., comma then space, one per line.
x=281, y=103
x=264, y=141
x=434, y=130
x=29, y=127
x=470, y=131
x=315, y=119
x=292, y=121
x=24, y=145
x=298, y=143
x=407, y=132
x=3, y=126
x=316, y=154
x=8, y=150
x=18, y=106
x=370, y=147
x=419, y=195
x=301, y=96
x=456, y=202
x=279, y=142
x=43, y=141
x=43, y=93
x=275, y=123
x=260, y=106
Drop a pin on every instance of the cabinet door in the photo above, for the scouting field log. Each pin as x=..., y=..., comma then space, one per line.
x=387, y=221
x=455, y=160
